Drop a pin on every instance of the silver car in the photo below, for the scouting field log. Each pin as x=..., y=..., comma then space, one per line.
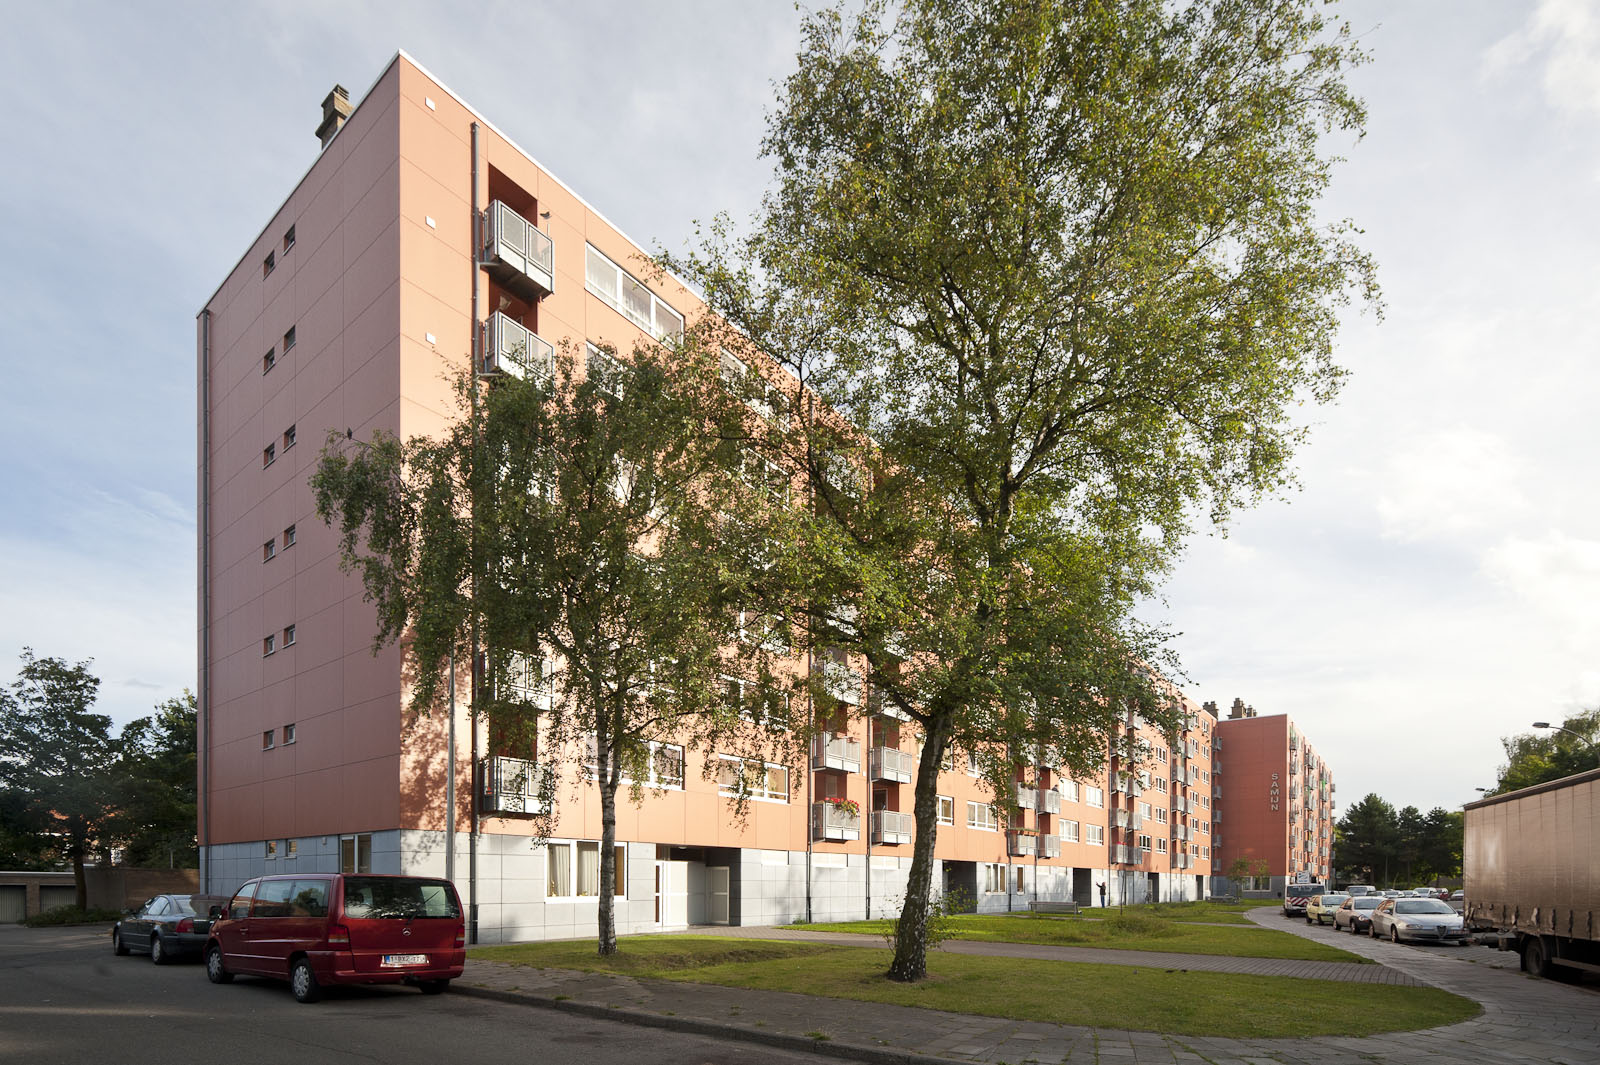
x=1420, y=920
x=1354, y=915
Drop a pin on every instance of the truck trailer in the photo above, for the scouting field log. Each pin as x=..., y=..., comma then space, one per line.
x=1531, y=860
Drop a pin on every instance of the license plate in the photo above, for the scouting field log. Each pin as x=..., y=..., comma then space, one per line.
x=405, y=959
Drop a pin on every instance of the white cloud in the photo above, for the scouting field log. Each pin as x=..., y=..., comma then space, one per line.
x=1566, y=35
x=1449, y=483
x=1557, y=576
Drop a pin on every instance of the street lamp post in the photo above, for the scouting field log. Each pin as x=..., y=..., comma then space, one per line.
x=1563, y=728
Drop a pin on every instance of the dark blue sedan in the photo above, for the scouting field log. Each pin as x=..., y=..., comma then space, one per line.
x=166, y=927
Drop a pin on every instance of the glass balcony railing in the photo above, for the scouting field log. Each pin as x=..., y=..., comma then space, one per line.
x=517, y=253
x=509, y=347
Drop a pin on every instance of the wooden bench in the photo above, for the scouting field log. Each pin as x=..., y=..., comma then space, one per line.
x=1038, y=907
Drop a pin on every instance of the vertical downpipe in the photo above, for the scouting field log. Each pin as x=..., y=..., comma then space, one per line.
x=869, y=810
x=204, y=738
x=472, y=842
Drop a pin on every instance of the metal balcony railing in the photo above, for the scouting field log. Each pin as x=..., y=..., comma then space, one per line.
x=1127, y=819
x=517, y=253
x=891, y=764
x=892, y=827
x=1026, y=797
x=1049, y=801
x=510, y=786
x=830, y=821
x=509, y=347
x=836, y=752
x=1049, y=846
x=1019, y=843
x=842, y=683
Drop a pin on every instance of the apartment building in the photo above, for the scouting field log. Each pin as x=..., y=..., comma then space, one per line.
x=1278, y=796
x=420, y=239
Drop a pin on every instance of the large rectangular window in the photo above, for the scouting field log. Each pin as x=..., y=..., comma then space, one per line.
x=1095, y=797
x=1069, y=831
x=624, y=293
x=982, y=815
x=355, y=853
x=558, y=871
x=947, y=810
x=589, y=869
x=1095, y=835
x=762, y=779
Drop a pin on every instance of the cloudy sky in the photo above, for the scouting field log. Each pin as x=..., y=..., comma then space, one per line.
x=1433, y=585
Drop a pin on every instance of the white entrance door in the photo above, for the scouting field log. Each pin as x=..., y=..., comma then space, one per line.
x=672, y=894
x=717, y=894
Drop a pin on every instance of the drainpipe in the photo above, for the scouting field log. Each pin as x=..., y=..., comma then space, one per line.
x=205, y=602
x=472, y=840
x=869, y=808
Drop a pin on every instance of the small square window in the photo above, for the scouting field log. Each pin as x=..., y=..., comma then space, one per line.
x=267, y=740
x=288, y=636
x=269, y=454
x=272, y=850
x=269, y=550
x=292, y=847
x=269, y=264
x=288, y=239
x=288, y=537
x=269, y=360
x=269, y=644
x=288, y=438
x=288, y=340
x=288, y=734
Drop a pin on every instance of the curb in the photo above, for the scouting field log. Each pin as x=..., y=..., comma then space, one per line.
x=825, y=1047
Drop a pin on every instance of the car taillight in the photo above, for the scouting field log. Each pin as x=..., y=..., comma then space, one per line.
x=185, y=925
x=338, y=936
x=461, y=935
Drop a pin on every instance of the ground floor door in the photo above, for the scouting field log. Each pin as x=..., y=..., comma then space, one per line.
x=13, y=903
x=717, y=895
x=672, y=894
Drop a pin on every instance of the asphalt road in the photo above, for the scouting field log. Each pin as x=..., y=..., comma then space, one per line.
x=64, y=998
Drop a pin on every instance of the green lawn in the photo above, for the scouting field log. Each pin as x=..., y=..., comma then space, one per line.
x=1137, y=929
x=1103, y=996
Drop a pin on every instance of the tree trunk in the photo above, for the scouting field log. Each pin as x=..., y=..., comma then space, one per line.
x=609, y=773
x=79, y=881
x=911, y=933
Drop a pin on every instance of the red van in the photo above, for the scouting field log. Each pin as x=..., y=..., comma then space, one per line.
x=317, y=929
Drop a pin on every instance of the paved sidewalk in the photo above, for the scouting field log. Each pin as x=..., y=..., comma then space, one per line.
x=1525, y=1021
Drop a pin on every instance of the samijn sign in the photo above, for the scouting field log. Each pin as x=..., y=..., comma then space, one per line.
x=1273, y=793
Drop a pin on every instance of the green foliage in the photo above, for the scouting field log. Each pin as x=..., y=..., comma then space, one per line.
x=56, y=763
x=68, y=915
x=1376, y=844
x=1538, y=757
x=155, y=782
x=1061, y=266
x=589, y=528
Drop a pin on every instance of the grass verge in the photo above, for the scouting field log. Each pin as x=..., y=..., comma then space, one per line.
x=1128, y=931
x=1102, y=996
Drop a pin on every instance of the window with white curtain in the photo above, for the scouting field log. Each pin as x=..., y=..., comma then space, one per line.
x=624, y=293
x=558, y=871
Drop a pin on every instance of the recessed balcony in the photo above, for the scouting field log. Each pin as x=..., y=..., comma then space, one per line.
x=509, y=347
x=891, y=764
x=517, y=253
x=892, y=827
x=834, y=821
x=510, y=786
x=836, y=752
x=841, y=683
x=1021, y=843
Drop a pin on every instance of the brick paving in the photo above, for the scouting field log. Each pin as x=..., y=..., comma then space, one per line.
x=1525, y=1021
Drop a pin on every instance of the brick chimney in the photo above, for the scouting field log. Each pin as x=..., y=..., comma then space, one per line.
x=335, y=109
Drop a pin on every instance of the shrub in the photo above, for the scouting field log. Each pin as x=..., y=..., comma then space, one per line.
x=64, y=915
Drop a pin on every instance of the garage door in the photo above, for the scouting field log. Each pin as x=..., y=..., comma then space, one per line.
x=13, y=899
x=53, y=896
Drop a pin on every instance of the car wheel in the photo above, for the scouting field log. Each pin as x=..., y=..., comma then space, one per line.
x=157, y=955
x=118, y=947
x=303, y=982
x=1372, y=930
x=1394, y=934
x=432, y=987
x=216, y=972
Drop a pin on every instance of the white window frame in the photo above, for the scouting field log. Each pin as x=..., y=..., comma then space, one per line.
x=946, y=813
x=981, y=816
x=759, y=793
x=1095, y=835
x=1095, y=797
x=661, y=312
x=1069, y=831
x=1068, y=790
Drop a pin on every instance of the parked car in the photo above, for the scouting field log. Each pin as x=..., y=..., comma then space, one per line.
x=314, y=930
x=1417, y=919
x=165, y=927
x=1458, y=896
x=1321, y=908
x=1359, y=889
x=1355, y=913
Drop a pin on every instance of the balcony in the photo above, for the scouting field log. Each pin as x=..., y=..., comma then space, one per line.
x=1026, y=797
x=836, y=752
x=1182, y=832
x=1127, y=819
x=1129, y=785
x=509, y=347
x=1020, y=843
x=1049, y=846
x=841, y=682
x=1181, y=860
x=517, y=254
x=891, y=764
x=1049, y=801
x=510, y=786
x=830, y=821
x=1125, y=855
x=892, y=827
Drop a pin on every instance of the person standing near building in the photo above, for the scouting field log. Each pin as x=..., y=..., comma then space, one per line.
x=1102, y=886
